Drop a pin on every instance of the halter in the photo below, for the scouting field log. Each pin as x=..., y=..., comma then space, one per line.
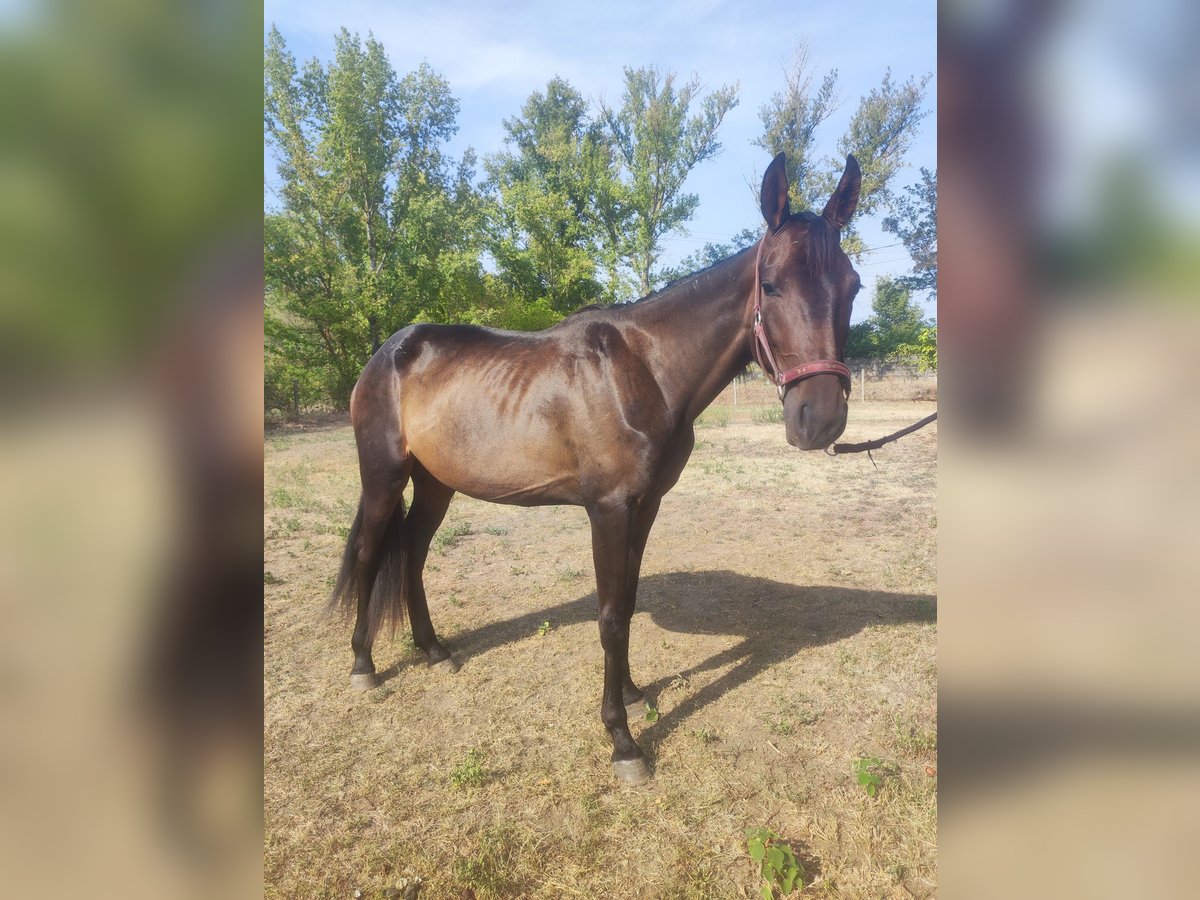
x=762, y=347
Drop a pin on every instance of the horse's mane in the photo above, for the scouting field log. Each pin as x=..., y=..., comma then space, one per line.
x=592, y=307
x=823, y=241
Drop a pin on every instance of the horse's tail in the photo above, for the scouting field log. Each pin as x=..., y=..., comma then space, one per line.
x=387, y=595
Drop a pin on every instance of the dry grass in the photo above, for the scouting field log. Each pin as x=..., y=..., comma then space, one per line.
x=785, y=628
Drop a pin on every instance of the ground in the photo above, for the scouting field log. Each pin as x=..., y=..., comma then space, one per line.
x=785, y=631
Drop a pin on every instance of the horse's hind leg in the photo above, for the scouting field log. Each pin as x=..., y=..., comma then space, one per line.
x=382, y=518
x=431, y=499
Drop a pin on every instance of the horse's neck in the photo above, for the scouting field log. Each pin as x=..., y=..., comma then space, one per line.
x=701, y=331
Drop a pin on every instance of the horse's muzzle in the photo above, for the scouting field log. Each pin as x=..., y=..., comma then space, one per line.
x=814, y=413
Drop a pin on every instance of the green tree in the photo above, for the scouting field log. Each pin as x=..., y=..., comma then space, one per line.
x=879, y=135
x=896, y=329
x=790, y=121
x=548, y=231
x=881, y=132
x=376, y=226
x=659, y=141
x=914, y=221
x=923, y=351
x=861, y=341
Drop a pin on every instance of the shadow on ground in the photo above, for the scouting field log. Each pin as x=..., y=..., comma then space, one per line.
x=775, y=622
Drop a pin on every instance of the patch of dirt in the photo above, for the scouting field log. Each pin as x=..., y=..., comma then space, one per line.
x=785, y=629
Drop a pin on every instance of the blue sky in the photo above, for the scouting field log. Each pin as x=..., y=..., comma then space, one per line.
x=495, y=56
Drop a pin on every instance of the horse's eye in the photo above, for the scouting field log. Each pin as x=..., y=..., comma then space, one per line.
x=769, y=289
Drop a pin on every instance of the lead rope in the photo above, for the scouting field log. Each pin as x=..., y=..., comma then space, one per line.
x=868, y=446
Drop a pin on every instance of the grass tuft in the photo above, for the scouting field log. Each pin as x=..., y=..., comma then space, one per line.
x=469, y=772
x=447, y=536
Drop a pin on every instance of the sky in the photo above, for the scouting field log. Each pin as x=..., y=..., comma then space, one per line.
x=494, y=56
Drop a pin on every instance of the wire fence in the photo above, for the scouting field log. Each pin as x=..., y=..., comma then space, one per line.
x=873, y=380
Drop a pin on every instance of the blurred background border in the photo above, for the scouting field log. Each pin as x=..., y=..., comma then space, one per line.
x=131, y=481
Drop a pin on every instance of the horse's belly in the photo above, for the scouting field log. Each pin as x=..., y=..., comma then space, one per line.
x=542, y=447
x=502, y=468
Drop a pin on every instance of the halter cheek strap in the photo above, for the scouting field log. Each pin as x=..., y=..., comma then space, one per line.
x=762, y=347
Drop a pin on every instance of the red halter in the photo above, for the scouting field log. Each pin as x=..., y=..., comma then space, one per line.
x=762, y=348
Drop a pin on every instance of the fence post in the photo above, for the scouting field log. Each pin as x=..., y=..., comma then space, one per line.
x=296, y=398
x=862, y=383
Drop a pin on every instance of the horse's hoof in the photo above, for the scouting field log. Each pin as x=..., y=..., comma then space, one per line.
x=631, y=771
x=447, y=666
x=364, y=681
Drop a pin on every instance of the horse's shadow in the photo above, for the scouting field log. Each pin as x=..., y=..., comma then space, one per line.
x=775, y=621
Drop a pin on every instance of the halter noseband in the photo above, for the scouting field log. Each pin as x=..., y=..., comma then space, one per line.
x=762, y=348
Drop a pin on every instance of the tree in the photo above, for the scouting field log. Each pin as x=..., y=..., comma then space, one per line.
x=790, y=121
x=658, y=145
x=880, y=133
x=548, y=229
x=377, y=226
x=896, y=329
x=923, y=351
x=914, y=221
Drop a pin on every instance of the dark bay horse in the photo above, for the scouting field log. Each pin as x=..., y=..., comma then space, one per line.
x=596, y=411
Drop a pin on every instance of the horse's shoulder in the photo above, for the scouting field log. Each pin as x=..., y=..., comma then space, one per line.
x=603, y=338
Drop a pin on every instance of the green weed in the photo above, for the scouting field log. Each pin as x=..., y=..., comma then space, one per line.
x=489, y=869
x=776, y=860
x=717, y=467
x=284, y=498
x=870, y=771
x=469, y=773
x=705, y=735
x=290, y=498
x=449, y=535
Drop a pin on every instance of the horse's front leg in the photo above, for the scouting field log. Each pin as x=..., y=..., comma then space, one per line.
x=631, y=694
x=612, y=526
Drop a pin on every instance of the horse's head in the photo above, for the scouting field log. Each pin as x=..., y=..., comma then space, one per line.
x=804, y=290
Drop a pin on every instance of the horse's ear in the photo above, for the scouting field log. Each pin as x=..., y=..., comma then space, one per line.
x=841, y=205
x=774, y=199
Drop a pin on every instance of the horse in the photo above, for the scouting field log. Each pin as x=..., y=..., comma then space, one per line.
x=596, y=411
